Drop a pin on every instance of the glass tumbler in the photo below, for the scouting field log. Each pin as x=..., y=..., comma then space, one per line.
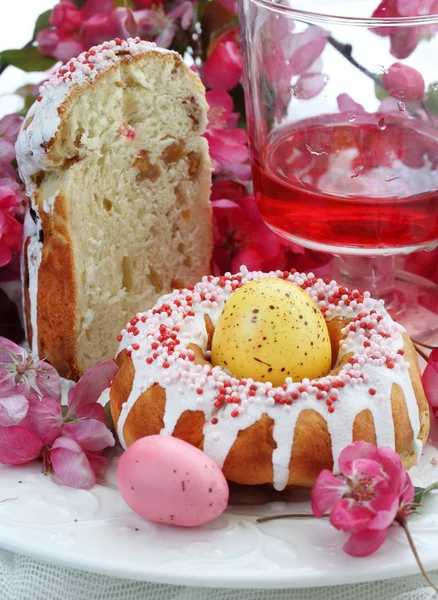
x=342, y=113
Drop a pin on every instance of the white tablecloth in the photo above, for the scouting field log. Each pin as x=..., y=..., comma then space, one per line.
x=22, y=578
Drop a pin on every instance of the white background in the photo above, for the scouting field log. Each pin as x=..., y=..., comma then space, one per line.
x=17, y=21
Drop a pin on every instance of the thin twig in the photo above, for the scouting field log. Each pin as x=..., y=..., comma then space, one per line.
x=8, y=499
x=346, y=51
x=423, y=345
x=287, y=516
x=421, y=353
x=404, y=526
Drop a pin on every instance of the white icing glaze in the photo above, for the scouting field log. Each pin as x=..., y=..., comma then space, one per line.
x=182, y=379
x=48, y=205
x=34, y=257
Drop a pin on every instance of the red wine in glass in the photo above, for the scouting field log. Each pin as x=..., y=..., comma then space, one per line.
x=365, y=185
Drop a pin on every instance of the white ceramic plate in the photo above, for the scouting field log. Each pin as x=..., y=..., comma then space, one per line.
x=96, y=531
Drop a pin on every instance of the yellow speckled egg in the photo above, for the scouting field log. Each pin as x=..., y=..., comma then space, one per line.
x=271, y=329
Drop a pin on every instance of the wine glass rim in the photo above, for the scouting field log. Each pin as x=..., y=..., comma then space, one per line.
x=320, y=17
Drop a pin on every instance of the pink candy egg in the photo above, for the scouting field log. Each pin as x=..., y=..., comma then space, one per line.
x=166, y=480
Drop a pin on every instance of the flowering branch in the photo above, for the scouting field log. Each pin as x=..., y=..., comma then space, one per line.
x=403, y=524
x=347, y=51
x=372, y=493
x=33, y=424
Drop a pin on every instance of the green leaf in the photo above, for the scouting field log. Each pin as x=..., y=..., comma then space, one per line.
x=380, y=90
x=27, y=59
x=124, y=3
x=28, y=101
x=109, y=418
x=420, y=492
x=431, y=99
x=79, y=3
x=43, y=22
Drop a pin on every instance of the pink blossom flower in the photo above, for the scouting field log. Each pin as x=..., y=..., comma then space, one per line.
x=228, y=188
x=184, y=11
x=147, y=3
x=66, y=17
x=372, y=491
x=9, y=128
x=33, y=424
x=76, y=458
x=403, y=82
x=223, y=68
x=424, y=264
x=10, y=228
x=100, y=27
x=153, y=25
x=228, y=144
x=241, y=238
x=404, y=40
x=292, y=61
x=430, y=381
x=71, y=465
x=21, y=373
x=77, y=30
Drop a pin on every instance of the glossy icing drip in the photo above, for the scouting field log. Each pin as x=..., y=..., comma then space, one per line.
x=364, y=383
x=34, y=257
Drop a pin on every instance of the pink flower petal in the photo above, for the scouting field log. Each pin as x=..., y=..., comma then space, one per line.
x=18, y=446
x=310, y=85
x=346, y=104
x=355, y=451
x=13, y=409
x=44, y=418
x=404, y=40
x=7, y=381
x=223, y=68
x=365, y=542
x=10, y=126
x=219, y=101
x=364, y=467
x=48, y=380
x=404, y=83
x=91, y=435
x=67, y=49
x=429, y=301
x=7, y=347
x=349, y=515
x=326, y=491
x=393, y=466
x=386, y=507
x=97, y=462
x=92, y=411
x=71, y=465
x=430, y=379
x=7, y=151
x=91, y=385
x=249, y=258
x=306, y=46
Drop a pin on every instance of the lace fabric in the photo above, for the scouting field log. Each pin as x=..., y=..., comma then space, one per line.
x=23, y=578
